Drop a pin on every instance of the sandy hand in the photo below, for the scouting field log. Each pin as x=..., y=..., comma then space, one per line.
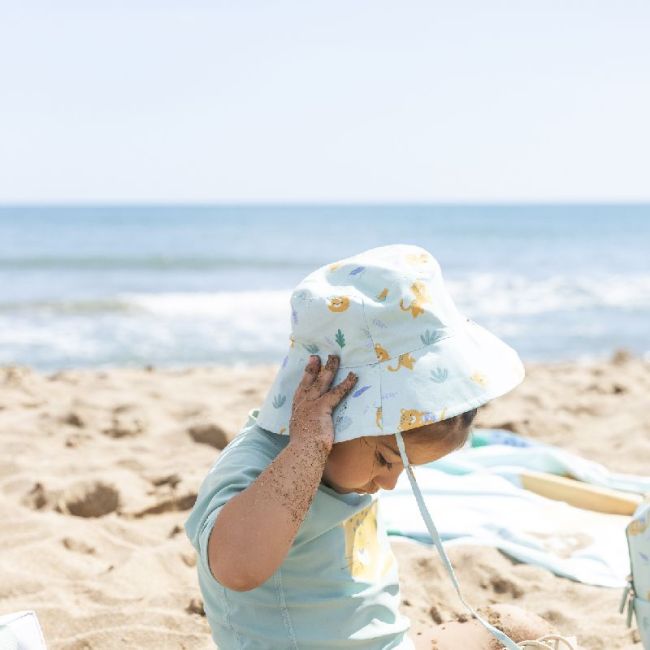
x=314, y=401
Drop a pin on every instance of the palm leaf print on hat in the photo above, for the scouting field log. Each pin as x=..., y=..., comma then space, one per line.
x=357, y=270
x=421, y=297
x=382, y=296
x=340, y=338
x=312, y=348
x=439, y=375
x=404, y=361
x=279, y=400
x=338, y=303
x=429, y=338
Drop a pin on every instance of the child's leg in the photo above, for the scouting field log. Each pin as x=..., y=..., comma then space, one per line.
x=518, y=624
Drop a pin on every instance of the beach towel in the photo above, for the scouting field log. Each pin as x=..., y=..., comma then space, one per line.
x=475, y=497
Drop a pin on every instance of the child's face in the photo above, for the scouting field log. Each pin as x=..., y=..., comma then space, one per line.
x=366, y=464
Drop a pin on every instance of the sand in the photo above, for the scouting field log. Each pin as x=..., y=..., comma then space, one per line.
x=98, y=470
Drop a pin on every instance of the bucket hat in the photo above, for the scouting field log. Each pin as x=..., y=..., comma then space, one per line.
x=388, y=316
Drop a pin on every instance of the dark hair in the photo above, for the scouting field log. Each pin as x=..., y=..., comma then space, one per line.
x=468, y=417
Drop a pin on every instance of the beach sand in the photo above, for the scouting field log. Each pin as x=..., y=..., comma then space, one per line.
x=98, y=470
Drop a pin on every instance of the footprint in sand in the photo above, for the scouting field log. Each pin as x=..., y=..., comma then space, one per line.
x=195, y=607
x=77, y=545
x=209, y=434
x=126, y=421
x=88, y=499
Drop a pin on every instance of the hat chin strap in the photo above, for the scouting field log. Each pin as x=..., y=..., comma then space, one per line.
x=503, y=638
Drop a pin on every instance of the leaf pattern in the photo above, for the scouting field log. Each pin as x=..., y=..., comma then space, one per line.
x=439, y=375
x=279, y=400
x=340, y=338
x=429, y=338
x=361, y=391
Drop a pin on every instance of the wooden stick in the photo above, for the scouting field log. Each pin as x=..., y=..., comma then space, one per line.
x=579, y=494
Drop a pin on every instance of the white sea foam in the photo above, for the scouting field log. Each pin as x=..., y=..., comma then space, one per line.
x=252, y=325
x=502, y=295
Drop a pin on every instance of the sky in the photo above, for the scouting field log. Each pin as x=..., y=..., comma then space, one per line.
x=324, y=101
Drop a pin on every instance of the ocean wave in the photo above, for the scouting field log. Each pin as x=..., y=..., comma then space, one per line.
x=217, y=305
x=476, y=295
x=501, y=295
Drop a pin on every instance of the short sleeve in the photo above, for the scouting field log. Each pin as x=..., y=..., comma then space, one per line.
x=238, y=465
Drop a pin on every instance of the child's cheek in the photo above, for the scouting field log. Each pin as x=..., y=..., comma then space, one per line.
x=349, y=470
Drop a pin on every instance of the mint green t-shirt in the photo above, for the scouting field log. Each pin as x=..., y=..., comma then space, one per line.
x=338, y=585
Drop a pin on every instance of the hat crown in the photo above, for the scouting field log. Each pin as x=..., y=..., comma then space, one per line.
x=373, y=306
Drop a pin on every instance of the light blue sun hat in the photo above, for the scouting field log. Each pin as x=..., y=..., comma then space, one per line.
x=388, y=316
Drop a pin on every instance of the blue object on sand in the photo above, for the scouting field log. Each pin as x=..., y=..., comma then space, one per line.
x=485, y=437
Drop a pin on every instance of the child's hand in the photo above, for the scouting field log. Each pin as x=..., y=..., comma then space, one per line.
x=314, y=401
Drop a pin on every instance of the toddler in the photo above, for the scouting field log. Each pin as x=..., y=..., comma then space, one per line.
x=292, y=550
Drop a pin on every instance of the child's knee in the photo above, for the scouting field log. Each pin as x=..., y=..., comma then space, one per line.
x=517, y=623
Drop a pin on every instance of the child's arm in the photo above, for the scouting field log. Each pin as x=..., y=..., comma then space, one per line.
x=254, y=531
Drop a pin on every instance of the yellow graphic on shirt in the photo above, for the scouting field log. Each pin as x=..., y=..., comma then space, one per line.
x=404, y=361
x=367, y=558
x=421, y=297
x=338, y=303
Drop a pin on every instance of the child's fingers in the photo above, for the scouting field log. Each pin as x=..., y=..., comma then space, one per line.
x=326, y=374
x=310, y=374
x=336, y=394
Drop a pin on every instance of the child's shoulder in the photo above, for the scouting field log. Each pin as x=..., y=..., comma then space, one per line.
x=253, y=445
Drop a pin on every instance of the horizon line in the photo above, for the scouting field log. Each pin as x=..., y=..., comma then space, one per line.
x=290, y=203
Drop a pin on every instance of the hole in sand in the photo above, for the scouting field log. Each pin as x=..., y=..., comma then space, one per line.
x=209, y=434
x=89, y=499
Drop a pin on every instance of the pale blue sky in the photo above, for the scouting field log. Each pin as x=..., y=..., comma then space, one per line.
x=337, y=100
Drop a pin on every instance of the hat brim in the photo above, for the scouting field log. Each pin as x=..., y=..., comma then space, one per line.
x=435, y=382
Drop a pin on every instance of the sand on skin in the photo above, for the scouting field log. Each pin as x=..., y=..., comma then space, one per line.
x=98, y=470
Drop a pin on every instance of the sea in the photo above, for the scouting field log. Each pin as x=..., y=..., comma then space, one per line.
x=185, y=285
